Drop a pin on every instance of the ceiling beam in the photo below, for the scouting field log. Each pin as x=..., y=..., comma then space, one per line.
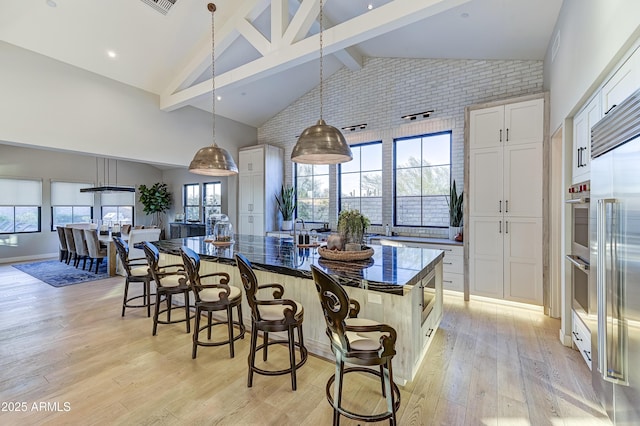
x=254, y=37
x=279, y=21
x=374, y=23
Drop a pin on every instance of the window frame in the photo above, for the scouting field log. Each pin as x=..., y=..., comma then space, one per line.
x=39, y=208
x=339, y=178
x=73, y=215
x=74, y=185
x=205, y=205
x=7, y=200
x=187, y=207
x=422, y=197
x=328, y=198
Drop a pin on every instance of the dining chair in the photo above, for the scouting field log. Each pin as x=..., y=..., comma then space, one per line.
x=64, y=252
x=212, y=293
x=356, y=341
x=95, y=250
x=268, y=316
x=71, y=246
x=170, y=280
x=82, y=253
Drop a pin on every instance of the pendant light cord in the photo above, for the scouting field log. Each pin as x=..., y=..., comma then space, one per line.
x=212, y=9
x=321, y=61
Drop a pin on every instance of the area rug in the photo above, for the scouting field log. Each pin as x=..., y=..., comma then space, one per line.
x=59, y=274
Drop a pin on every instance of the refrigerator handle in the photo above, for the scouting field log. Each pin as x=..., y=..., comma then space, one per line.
x=612, y=351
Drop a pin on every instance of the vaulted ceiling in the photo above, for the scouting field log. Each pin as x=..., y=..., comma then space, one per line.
x=267, y=51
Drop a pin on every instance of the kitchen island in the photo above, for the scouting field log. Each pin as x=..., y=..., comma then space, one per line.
x=399, y=286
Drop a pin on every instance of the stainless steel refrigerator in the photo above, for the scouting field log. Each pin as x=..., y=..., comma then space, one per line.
x=615, y=260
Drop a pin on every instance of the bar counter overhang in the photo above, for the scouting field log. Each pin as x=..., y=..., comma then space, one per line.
x=391, y=287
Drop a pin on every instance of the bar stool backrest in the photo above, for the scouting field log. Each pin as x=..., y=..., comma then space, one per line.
x=335, y=305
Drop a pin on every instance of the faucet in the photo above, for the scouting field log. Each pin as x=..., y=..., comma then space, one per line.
x=295, y=236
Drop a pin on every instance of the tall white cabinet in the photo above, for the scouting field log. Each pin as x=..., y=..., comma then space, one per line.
x=505, y=181
x=260, y=175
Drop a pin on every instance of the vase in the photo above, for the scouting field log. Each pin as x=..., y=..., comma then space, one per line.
x=453, y=231
x=287, y=225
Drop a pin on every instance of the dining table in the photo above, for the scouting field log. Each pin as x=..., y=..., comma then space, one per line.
x=112, y=254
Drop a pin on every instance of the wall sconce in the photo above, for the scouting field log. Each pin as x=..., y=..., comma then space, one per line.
x=354, y=127
x=424, y=114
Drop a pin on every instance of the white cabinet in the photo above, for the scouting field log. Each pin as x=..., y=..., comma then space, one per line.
x=582, y=124
x=260, y=177
x=581, y=337
x=623, y=83
x=505, y=182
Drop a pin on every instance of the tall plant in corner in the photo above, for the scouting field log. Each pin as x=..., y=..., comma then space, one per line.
x=455, y=210
x=156, y=200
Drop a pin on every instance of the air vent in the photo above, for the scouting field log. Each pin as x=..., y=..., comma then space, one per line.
x=161, y=6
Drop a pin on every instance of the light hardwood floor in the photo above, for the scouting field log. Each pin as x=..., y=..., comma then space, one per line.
x=488, y=365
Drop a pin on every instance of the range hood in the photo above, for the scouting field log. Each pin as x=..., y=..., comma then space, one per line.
x=107, y=188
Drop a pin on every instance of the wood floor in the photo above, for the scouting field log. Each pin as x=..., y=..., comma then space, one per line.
x=68, y=357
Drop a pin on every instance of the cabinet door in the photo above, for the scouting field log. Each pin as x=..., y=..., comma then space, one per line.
x=523, y=260
x=485, y=182
x=257, y=186
x=580, y=140
x=251, y=161
x=485, y=256
x=594, y=114
x=523, y=180
x=623, y=83
x=486, y=127
x=245, y=193
x=524, y=122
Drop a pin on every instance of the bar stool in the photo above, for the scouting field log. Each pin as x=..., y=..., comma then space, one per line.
x=170, y=280
x=356, y=341
x=137, y=271
x=210, y=298
x=272, y=316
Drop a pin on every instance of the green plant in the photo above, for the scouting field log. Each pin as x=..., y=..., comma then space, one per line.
x=156, y=200
x=455, y=207
x=286, y=202
x=352, y=225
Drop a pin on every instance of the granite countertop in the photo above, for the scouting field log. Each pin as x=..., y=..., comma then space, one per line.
x=420, y=240
x=391, y=269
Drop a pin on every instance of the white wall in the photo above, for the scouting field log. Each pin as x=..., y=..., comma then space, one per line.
x=46, y=103
x=386, y=89
x=594, y=35
x=50, y=166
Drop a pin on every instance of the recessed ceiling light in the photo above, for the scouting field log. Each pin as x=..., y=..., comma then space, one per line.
x=219, y=97
x=464, y=15
x=51, y=3
x=111, y=54
x=370, y=6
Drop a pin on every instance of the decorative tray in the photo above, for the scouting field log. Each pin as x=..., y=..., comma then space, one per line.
x=308, y=245
x=345, y=256
x=218, y=243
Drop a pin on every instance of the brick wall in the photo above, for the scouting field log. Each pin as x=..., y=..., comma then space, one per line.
x=386, y=89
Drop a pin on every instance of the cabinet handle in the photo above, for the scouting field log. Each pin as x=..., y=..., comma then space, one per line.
x=447, y=263
x=500, y=135
x=507, y=135
x=506, y=206
x=250, y=166
x=500, y=227
x=506, y=227
x=609, y=110
x=431, y=332
x=579, y=156
x=577, y=336
x=587, y=354
x=500, y=206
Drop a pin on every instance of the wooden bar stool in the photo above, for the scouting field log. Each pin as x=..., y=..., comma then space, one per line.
x=356, y=341
x=170, y=280
x=137, y=271
x=212, y=297
x=269, y=316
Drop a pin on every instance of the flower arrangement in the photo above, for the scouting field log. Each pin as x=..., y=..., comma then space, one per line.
x=352, y=225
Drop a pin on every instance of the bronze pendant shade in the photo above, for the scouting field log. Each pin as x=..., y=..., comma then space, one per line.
x=213, y=160
x=321, y=144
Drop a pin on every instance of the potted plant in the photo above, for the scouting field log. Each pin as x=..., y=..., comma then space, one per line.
x=352, y=226
x=287, y=206
x=156, y=200
x=455, y=212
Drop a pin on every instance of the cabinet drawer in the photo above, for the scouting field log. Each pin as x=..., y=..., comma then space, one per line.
x=452, y=263
x=451, y=281
x=581, y=338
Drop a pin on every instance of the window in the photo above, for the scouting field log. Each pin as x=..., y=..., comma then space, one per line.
x=422, y=179
x=192, y=202
x=69, y=205
x=20, y=202
x=117, y=207
x=212, y=199
x=361, y=182
x=312, y=192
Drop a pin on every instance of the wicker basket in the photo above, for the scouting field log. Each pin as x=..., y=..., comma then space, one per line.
x=345, y=256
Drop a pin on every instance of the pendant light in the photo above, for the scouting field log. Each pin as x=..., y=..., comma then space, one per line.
x=321, y=143
x=213, y=160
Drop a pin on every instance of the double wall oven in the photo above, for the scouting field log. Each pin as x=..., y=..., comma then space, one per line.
x=584, y=300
